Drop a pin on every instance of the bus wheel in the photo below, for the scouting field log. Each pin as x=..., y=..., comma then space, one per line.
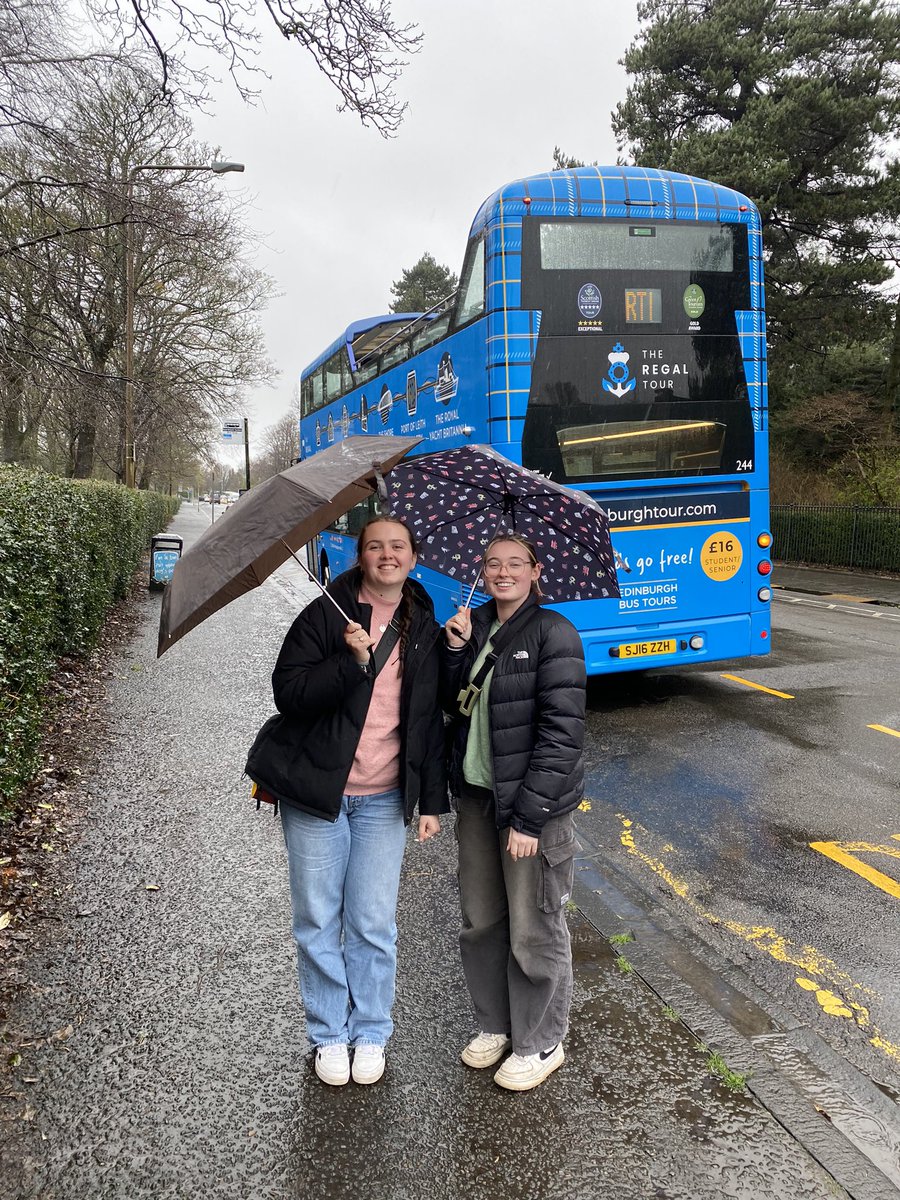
x=324, y=570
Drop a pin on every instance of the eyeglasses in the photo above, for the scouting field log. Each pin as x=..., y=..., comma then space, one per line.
x=515, y=566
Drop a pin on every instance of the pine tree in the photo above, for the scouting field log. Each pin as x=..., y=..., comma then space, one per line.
x=795, y=103
x=422, y=286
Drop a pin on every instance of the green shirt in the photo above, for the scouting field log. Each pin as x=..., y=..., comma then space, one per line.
x=478, y=768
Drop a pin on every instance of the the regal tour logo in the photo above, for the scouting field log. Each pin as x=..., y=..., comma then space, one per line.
x=618, y=379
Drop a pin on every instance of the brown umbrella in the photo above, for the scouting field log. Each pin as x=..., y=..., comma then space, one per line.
x=267, y=524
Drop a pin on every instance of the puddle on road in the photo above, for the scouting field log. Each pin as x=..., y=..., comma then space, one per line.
x=877, y=1139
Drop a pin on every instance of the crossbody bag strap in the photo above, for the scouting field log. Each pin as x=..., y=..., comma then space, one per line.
x=470, y=693
x=386, y=643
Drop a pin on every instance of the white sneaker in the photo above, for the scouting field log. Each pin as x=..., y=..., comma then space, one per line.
x=485, y=1050
x=333, y=1064
x=368, y=1063
x=522, y=1072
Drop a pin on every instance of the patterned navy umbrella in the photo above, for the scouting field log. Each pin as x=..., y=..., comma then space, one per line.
x=456, y=500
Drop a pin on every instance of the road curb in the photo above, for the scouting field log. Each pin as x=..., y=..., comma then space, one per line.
x=840, y=1117
x=844, y=597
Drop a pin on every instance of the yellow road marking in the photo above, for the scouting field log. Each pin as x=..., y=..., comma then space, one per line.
x=885, y=729
x=834, y=1003
x=840, y=853
x=759, y=687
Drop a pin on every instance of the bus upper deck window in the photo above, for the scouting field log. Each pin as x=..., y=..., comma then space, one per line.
x=433, y=332
x=317, y=382
x=395, y=355
x=333, y=377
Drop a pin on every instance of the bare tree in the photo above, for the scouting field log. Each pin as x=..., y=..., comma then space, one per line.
x=278, y=447
x=356, y=44
x=196, y=335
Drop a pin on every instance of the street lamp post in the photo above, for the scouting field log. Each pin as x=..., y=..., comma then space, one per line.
x=218, y=168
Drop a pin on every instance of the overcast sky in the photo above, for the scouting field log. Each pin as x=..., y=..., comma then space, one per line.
x=342, y=211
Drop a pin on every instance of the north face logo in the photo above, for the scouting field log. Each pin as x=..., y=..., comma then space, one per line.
x=521, y=654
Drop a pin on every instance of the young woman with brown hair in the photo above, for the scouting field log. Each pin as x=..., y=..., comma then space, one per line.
x=352, y=754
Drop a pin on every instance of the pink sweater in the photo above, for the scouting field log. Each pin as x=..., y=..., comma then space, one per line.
x=376, y=765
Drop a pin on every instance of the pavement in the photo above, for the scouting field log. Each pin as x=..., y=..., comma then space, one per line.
x=162, y=1043
x=838, y=585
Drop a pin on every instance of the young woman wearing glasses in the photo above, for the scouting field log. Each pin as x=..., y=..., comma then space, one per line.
x=516, y=772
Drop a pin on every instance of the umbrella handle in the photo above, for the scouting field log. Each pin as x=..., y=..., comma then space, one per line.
x=497, y=530
x=472, y=591
x=312, y=579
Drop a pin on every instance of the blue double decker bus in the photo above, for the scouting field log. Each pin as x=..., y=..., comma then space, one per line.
x=608, y=332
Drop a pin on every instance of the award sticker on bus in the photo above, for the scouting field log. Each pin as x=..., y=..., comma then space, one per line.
x=590, y=301
x=694, y=301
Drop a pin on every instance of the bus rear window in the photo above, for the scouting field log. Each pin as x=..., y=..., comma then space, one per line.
x=656, y=447
x=632, y=246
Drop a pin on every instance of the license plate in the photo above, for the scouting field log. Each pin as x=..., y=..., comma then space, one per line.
x=645, y=649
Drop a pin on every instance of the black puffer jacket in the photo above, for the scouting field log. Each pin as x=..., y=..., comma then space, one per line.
x=303, y=756
x=536, y=706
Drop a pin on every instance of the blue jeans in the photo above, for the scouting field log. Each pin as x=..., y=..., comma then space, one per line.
x=344, y=882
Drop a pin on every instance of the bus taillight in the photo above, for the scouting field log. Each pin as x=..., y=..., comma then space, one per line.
x=764, y=540
x=764, y=567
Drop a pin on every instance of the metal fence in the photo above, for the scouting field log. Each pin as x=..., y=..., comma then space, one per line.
x=837, y=535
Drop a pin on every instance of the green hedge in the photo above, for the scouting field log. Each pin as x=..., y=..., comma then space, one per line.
x=68, y=550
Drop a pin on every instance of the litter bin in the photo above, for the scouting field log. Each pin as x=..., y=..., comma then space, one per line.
x=165, y=551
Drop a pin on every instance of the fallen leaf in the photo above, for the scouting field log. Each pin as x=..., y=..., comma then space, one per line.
x=151, y=887
x=14, y=1059
x=29, y=1113
x=63, y=1034
x=47, y=846
x=5, y=919
x=43, y=805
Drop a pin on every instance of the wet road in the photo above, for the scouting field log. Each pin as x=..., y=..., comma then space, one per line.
x=768, y=824
x=163, y=1052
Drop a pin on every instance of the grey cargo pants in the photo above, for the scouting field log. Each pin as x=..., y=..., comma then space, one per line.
x=514, y=943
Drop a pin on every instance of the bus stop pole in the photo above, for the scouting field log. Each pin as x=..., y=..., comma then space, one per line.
x=247, y=453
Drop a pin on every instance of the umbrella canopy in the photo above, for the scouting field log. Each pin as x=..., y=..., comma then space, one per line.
x=456, y=500
x=241, y=550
